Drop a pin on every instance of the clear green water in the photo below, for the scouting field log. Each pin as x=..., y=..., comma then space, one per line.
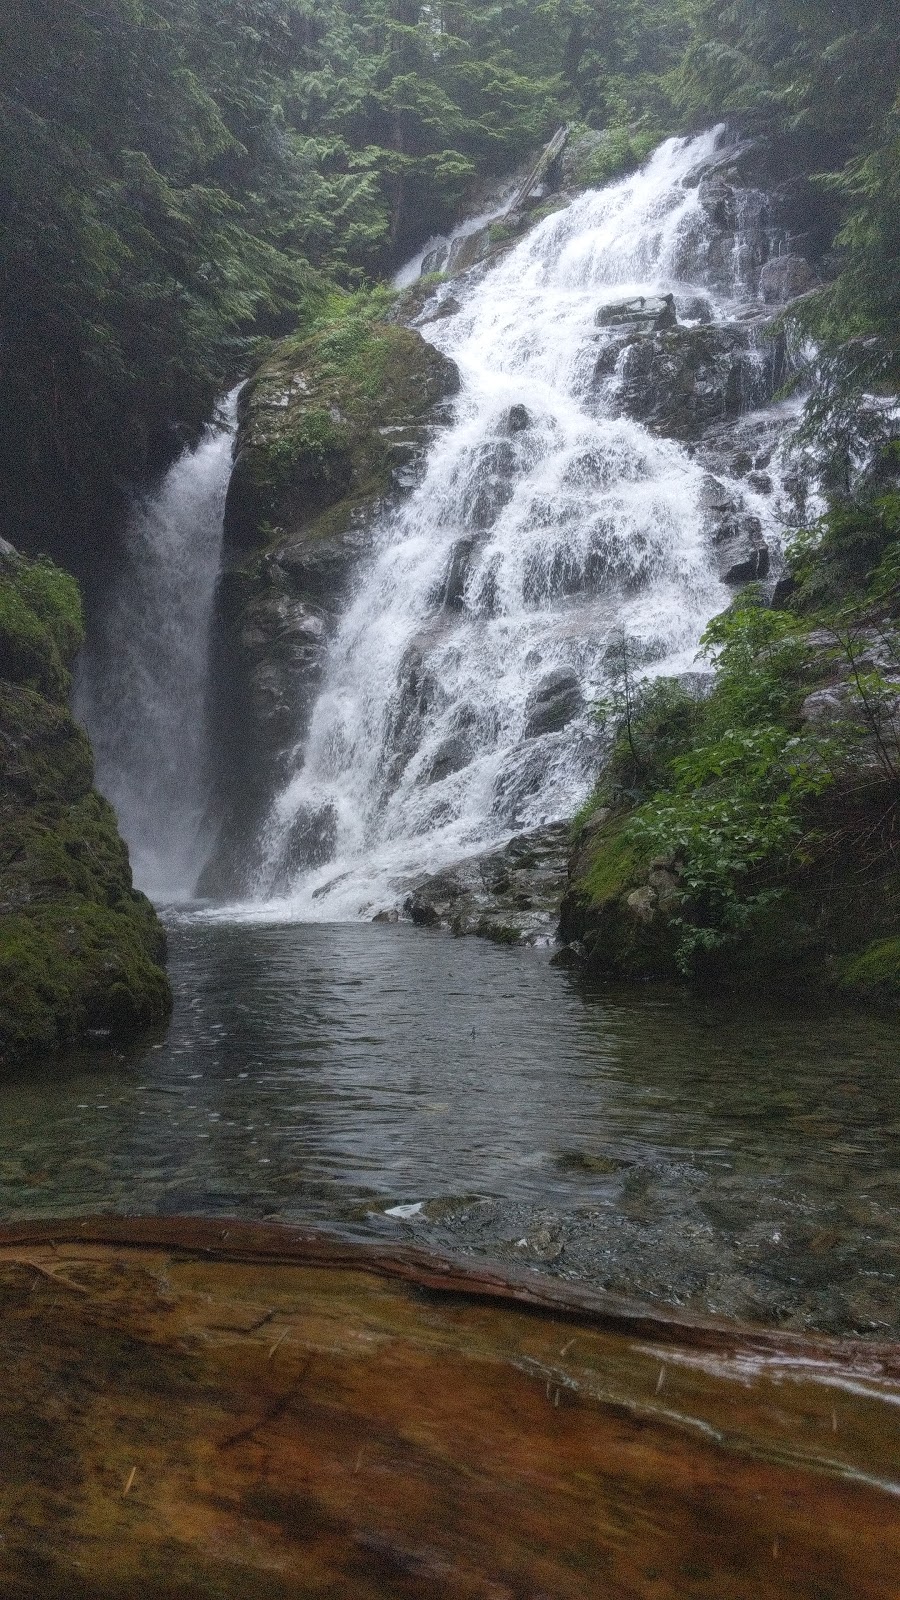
x=738, y=1159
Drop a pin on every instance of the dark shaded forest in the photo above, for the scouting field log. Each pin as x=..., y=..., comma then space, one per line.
x=183, y=178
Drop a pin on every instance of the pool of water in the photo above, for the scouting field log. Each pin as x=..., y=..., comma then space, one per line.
x=732, y=1158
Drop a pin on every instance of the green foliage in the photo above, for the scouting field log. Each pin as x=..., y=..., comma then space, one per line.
x=623, y=149
x=850, y=556
x=737, y=796
x=654, y=719
x=875, y=973
x=183, y=176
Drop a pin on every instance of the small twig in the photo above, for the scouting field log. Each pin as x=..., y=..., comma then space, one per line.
x=131, y=1477
x=48, y=1272
x=278, y=1342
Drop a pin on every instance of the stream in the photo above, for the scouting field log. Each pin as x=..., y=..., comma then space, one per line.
x=733, y=1159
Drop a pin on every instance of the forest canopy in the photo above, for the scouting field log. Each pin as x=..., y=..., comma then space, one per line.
x=180, y=176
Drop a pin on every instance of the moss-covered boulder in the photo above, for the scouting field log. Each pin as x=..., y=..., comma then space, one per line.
x=330, y=422
x=80, y=950
x=617, y=913
x=823, y=926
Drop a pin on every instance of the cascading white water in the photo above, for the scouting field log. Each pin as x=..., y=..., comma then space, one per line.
x=142, y=681
x=456, y=707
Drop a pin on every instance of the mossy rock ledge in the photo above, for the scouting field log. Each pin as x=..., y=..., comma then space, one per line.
x=830, y=928
x=80, y=949
x=333, y=429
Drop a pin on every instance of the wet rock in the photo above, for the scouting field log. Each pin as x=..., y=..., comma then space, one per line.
x=652, y=312
x=435, y=260
x=754, y=568
x=454, y=588
x=643, y=904
x=554, y=703
x=698, y=308
x=321, y=452
x=761, y=482
x=784, y=278
x=510, y=895
x=469, y=251
x=451, y=755
x=518, y=419
x=310, y=843
x=491, y=485
x=446, y=306
x=718, y=201
x=742, y=555
x=681, y=381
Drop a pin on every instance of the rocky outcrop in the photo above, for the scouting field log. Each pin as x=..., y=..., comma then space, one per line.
x=332, y=429
x=680, y=380
x=80, y=950
x=618, y=911
x=510, y=896
x=825, y=917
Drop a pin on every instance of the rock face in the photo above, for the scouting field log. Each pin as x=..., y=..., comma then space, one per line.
x=80, y=950
x=331, y=429
x=680, y=380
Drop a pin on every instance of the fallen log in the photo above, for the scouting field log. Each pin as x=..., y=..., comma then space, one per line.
x=225, y=1409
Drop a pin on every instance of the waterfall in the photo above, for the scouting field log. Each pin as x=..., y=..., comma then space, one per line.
x=549, y=534
x=143, y=678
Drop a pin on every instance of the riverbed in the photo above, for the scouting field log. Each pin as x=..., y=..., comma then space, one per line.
x=731, y=1158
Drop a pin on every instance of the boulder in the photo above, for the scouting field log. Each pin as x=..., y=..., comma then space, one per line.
x=510, y=895
x=652, y=312
x=785, y=278
x=332, y=429
x=556, y=701
x=326, y=422
x=81, y=951
x=742, y=555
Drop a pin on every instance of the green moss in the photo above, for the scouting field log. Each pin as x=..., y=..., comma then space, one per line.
x=41, y=625
x=80, y=950
x=611, y=863
x=622, y=150
x=46, y=758
x=323, y=418
x=73, y=967
x=497, y=932
x=876, y=972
